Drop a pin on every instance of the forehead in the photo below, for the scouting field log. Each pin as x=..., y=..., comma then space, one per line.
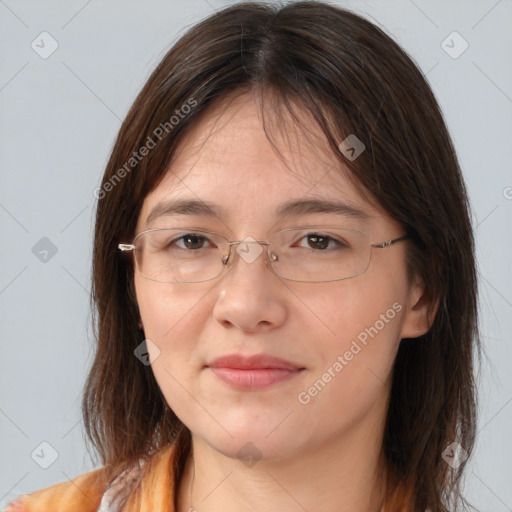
x=233, y=133
x=227, y=158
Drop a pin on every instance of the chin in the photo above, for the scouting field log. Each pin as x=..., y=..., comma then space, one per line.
x=252, y=444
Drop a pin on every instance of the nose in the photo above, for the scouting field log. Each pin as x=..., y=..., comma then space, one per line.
x=251, y=296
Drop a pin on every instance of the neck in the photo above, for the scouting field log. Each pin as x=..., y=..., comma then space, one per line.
x=344, y=474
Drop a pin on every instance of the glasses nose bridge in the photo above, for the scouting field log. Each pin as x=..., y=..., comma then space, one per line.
x=226, y=259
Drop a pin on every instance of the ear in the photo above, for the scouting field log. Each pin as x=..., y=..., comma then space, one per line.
x=417, y=320
x=141, y=325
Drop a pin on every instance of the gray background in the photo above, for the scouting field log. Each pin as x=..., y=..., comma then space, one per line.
x=59, y=118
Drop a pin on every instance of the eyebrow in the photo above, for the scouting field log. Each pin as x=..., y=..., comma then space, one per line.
x=293, y=208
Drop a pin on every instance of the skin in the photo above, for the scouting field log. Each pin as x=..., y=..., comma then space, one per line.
x=323, y=455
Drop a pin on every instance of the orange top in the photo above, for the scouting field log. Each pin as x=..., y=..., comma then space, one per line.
x=91, y=492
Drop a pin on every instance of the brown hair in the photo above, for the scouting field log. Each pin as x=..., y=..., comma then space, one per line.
x=351, y=78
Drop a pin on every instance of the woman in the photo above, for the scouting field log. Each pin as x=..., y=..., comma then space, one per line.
x=284, y=281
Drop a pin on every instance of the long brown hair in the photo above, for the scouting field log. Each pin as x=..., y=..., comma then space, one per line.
x=351, y=78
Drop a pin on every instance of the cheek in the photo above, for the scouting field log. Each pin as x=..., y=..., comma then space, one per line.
x=353, y=344
x=165, y=308
x=173, y=319
x=349, y=308
x=361, y=321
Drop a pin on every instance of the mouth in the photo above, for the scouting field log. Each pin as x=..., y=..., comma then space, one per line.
x=254, y=372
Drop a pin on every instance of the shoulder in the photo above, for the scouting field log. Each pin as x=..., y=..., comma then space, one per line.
x=81, y=493
x=93, y=492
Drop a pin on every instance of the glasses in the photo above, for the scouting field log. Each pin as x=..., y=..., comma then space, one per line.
x=311, y=254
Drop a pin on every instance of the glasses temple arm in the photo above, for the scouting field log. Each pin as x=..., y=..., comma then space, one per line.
x=126, y=247
x=387, y=243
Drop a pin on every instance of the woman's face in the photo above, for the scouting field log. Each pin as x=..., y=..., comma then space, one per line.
x=340, y=337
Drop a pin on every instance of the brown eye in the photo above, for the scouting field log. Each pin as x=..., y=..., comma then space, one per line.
x=318, y=241
x=192, y=241
x=321, y=242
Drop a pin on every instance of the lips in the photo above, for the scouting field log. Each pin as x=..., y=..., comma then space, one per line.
x=253, y=372
x=262, y=361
